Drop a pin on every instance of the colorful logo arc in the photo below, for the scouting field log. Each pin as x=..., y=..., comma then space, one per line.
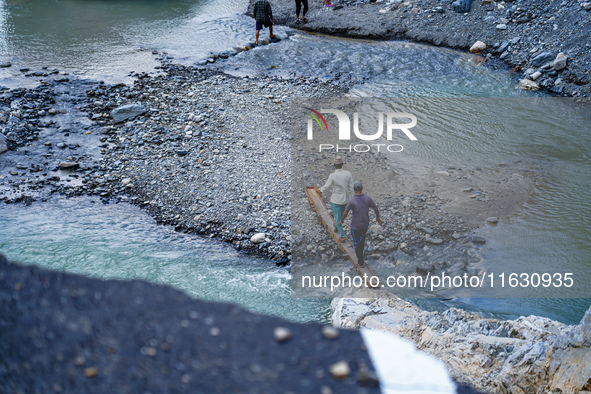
x=317, y=115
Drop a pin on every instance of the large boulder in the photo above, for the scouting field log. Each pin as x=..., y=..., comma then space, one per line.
x=127, y=112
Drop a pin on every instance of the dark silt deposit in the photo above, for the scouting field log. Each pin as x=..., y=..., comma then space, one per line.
x=67, y=333
x=526, y=34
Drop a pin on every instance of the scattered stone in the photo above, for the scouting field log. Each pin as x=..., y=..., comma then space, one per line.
x=376, y=229
x=424, y=269
x=477, y=239
x=127, y=112
x=492, y=220
x=467, y=190
x=91, y=372
x=435, y=241
x=340, y=370
x=528, y=84
x=53, y=111
x=282, y=334
x=68, y=164
x=586, y=6
x=79, y=361
x=5, y=64
x=215, y=332
x=426, y=230
x=367, y=377
x=258, y=238
x=501, y=26
x=329, y=332
x=535, y=75
x=560, y=62
x=542, y=59
x=478, y=47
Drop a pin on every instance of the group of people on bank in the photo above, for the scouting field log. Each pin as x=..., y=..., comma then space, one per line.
x=263, y=15
x=347, y=196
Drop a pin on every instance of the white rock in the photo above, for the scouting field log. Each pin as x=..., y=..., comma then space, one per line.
x=258, y=238
x=329, y=332
x=340, y=370
x=282, y=334
x=528, y=84
x=535, y=75
x=478, y=47
x=376, y=229
x=560, y=62
x=492, y=220
x=501, y=26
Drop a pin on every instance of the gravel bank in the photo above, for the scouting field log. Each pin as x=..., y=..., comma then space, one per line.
x=526, y=34
x=202, y=151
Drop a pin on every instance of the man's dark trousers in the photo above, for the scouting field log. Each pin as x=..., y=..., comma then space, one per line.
x=359, y=244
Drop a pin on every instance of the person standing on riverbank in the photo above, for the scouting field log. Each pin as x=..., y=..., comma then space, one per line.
x=359, y=204
x=263, y=15
x=341, y=182
x=298, y=7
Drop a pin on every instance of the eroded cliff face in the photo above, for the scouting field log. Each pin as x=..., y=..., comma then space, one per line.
x=527, y=355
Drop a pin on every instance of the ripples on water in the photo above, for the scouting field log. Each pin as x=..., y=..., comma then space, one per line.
x=121, y=241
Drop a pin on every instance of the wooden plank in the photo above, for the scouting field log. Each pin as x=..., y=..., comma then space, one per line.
x=325, y=218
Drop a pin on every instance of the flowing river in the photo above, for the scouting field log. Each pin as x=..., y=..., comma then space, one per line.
x=109, y=39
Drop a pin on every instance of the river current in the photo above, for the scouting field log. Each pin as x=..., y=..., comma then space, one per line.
x=108, y=39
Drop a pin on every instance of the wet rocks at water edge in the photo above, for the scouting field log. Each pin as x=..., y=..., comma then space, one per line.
x=478, y=47
x=126, y=112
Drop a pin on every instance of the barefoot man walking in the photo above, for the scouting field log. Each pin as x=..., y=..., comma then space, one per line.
x=263, y=15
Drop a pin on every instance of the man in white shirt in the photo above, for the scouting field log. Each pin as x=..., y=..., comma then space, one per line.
x=341, y=182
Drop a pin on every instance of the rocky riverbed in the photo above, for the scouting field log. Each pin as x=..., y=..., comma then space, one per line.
x=546, y=42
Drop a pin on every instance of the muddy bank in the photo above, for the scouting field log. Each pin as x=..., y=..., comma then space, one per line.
x=526, y=34
x=527, y=355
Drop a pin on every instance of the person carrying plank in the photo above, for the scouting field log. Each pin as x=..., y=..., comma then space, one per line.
x=341, y=182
